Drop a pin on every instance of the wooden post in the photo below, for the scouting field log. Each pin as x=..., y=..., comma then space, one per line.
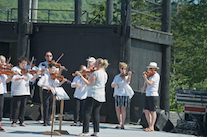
x=52, y=132
x=61, y=118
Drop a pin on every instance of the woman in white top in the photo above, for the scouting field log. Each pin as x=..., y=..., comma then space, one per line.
x=151, y=87
x=20, y=91
x=79, y=97
x=122, y=93
x=3, y=89
x=96, y=96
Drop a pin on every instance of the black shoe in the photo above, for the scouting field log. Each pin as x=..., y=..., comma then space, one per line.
x=74, y=124
x=48, y=123
x=1, y=129
x=118, y=127
x=122, y=127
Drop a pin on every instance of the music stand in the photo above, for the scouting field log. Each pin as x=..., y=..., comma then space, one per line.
x=59, y=94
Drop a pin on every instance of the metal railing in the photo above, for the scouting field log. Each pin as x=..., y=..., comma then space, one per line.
x=14, y=18
x=157, y=19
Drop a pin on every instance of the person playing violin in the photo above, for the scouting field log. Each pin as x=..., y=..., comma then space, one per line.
x=47, y=83
x=2, y=60
x=3, y=89
x=91, y=63
x=79, y=97
x=151, y=86
x=43, y=66
x=20, y=91
x=31, y=66
x=122, y=93
x=95, y=96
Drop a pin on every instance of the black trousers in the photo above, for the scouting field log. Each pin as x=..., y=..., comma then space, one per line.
x=79, y=106
x=18, y=108
x=1, y=106
x=47, y=97
x=91, y=105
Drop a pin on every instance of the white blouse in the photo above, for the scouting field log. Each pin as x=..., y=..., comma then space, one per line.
x=124, y=88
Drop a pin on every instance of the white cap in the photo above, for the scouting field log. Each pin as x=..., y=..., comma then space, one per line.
x=91, y=59
x=153, y=65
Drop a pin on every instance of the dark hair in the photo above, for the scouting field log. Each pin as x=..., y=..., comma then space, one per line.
x=22, y=58
x=51, y=65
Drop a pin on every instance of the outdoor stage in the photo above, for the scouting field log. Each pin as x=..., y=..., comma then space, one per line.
x=35, y=129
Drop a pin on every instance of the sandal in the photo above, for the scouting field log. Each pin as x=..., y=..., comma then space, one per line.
x=118, y=127
x=94, y=135
x=82, y=134
x=145, y=128
x=149, y=130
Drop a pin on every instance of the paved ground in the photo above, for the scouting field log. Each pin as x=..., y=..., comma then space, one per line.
x=35, y=129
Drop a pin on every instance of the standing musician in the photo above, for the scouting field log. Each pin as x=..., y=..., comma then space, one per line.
x=2, y=60
x=47, y=83
x=3, y=89
x=79, y=97
x=96, y=96
x=20, y=91
x=33, y=85
x=151, y=87
x=43, y=66
x=122, y=93
x=90, y=62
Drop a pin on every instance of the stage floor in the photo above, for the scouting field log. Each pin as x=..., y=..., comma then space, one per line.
x=36, y=129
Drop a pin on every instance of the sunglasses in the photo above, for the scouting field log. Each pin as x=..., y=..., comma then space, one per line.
x=49, y=55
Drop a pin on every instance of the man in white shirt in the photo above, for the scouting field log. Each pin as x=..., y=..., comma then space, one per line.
x=43, y=66
x=47, y=84
x=152, y=96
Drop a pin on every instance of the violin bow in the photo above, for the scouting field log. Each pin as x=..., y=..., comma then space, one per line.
x=31, y=62
x=59, y=58
x=8, y=60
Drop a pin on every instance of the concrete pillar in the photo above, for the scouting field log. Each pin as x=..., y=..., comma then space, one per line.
x=78, y=11
x=23, y=18
x=166, y=56
x=34, y=12
x=109, y=12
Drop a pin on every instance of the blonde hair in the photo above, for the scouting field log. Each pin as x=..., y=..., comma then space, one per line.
x=103, y=62
x=122, y=64
x=2, y=57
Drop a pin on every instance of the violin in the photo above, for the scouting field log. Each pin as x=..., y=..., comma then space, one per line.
x=123, y=75
x=26, y=70
x=8, y=72
x=150, y=73
x=58, y=77
x=85, y=72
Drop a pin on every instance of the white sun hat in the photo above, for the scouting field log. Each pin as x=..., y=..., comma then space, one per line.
x=153, y=65
x=91, y=59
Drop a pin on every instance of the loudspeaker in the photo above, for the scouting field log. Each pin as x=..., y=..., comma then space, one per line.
x=162, y=122
x=32, y=111
x=137, y=106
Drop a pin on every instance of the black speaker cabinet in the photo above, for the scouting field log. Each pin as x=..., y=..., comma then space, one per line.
x=32, y=111
x=137, y=106
x=162, y=122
